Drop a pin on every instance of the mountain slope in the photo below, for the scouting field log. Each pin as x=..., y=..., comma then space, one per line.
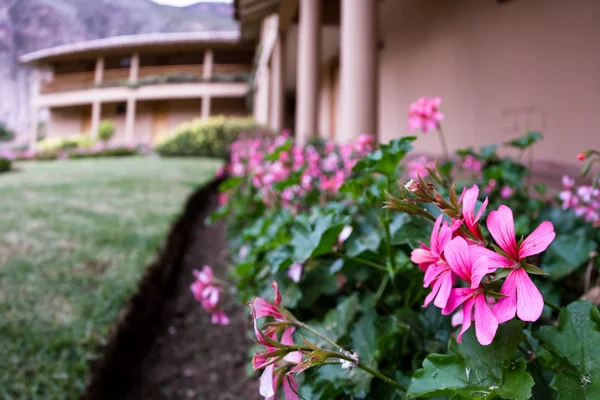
x=29, y=25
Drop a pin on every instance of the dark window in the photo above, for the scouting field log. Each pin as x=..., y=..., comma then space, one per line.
x=121, y=108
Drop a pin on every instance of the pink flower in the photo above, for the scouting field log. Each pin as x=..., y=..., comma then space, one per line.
x=223, y=198
x=568, y=182
x=220, y=173
x=423, y=114
x=472, y=298
x=418, y=167
x=270, y=378
x=260, y=307
x=295, y=272
x=506, y=192
x=491, y=185
x=426, y=256
x=469, y=201
x=522, y=297
x=471, y=163
x=208, y=293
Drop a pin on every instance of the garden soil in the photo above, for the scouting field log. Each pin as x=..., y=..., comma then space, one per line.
x=165, y=347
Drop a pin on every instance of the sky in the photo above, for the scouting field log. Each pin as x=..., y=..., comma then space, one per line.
x=183, y=3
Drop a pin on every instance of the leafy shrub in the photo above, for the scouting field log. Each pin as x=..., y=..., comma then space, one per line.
x=6, y=135
x=65, y=143
x=106, y=130
x=116, y=151
x=348, y=276
x=5, y=164
x=205, y=138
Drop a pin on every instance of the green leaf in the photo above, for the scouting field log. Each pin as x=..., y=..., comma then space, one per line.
x=530, y=138
x=413, y=231
x=274, y=156
x=576, y=343
x=230, y=183
x=335, y=323
x=279, y=258
x=311, y=241
x=364, y=337
x=365, y=236
x=386, y=158
x=566, y=254
x=474, y=371
x=532, y=269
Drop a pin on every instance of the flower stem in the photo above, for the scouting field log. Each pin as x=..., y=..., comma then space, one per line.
x=318, y=334
x=443, y=142
x=361, y=261
x=552, y=305
x=369, y=370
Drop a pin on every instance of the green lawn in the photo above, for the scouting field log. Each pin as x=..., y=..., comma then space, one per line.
x=75, y=237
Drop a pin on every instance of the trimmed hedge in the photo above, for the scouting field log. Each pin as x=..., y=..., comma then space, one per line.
x=65, y=143
x=205, y=138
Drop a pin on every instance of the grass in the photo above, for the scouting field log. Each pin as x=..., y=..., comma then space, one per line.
x=75, y=237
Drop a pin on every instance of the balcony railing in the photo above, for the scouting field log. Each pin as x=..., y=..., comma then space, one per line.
x=149, y=75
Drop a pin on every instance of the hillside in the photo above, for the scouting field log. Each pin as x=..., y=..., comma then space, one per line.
x=29, y=25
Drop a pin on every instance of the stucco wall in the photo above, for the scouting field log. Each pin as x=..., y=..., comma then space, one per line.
x=64, y=121
x=500, y=69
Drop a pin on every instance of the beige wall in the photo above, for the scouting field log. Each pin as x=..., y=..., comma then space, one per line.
x=232, y=106
x=500, y=69
x=65, y=121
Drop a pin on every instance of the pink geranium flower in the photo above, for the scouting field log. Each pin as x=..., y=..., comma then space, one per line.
x=208, y=294
x=426, y=256
x=469, y=201
x=522, y=297
x=270, y=378
x=260, y=307
x=295, y=272
x=472, y=298
x=424, y=114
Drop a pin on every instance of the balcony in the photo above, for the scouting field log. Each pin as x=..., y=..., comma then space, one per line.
x=147, y=75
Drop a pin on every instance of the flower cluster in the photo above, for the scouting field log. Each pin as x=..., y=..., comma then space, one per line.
x=320, y=168
x=7, y=154
x=583, y=200
x=424, y=114
x=458, y=250
x=419, y=167
x=208, y=293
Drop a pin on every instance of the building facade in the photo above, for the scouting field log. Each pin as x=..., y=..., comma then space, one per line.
x=145, y=84
x=339, y=68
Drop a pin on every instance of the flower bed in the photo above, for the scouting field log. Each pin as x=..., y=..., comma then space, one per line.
x=368, y=278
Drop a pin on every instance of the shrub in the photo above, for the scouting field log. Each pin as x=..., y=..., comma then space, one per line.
x=371, y=278
x=106, y=130
x=65, y=143
x=6, y=135
x=5, y=164
x=116, y=151
x=205, y=138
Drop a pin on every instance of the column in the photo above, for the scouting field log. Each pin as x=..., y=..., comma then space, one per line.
x=207, y=65
x=35, y=121
x=307, y=87
x=130, y=120
x=205, y=112
x=134, y=67
x=277, y=85
x=96, y=112
x=358, y=69
x=99, y=73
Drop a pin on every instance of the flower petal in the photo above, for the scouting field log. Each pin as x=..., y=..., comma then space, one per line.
x=433, y=272
x=277, y=299
x=530, y=302
x=266, y=388
x=496, y=260
x=486, y=323
x=501, y=225
x=261, y=308
x=290, y=387
x=458, y=258
x=469, y=202
x=538, y=240
x=479, y=269
x=506, y=308
x=466, y=323
x=434, y=235
x=434, y=291
x=419, y=256
x=444, y=292
x=456, y=298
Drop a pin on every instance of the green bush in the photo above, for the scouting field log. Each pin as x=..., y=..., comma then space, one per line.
x=6, y=134
x=106, y=130
x=5, y=165
x=205, y=138
x=65, y=143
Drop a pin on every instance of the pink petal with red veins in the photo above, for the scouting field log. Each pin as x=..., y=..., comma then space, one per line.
x=457, y=318
x=432, y=273
x=262, y=308
x=277, y=299
x=469, y=201
x=466, y=323
x=506, y=308
x=538, y=240
x=496, y=260
x=530, y=302
x=479, y=269
x=266, y=388
x=444, y=292
x=501, y=225
x=486, y=323
x=481, y=209
x=434, y=236
x=434, y=291
x=286, y=338
x=456, y=298
x=458, y=258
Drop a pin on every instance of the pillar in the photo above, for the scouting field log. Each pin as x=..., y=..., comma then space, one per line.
x=134, y=67
x=358, y=69
x=35, y=121
x=307, y=87
x=205, y=112
x=96, y=112
x=130, y=120
x=99, y=73
x=277, y=85
x=207, y=65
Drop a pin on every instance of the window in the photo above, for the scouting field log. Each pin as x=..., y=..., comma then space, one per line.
x=121, y=108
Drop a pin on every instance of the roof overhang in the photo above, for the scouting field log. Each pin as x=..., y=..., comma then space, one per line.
x=230, y=38
x=250, y=14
